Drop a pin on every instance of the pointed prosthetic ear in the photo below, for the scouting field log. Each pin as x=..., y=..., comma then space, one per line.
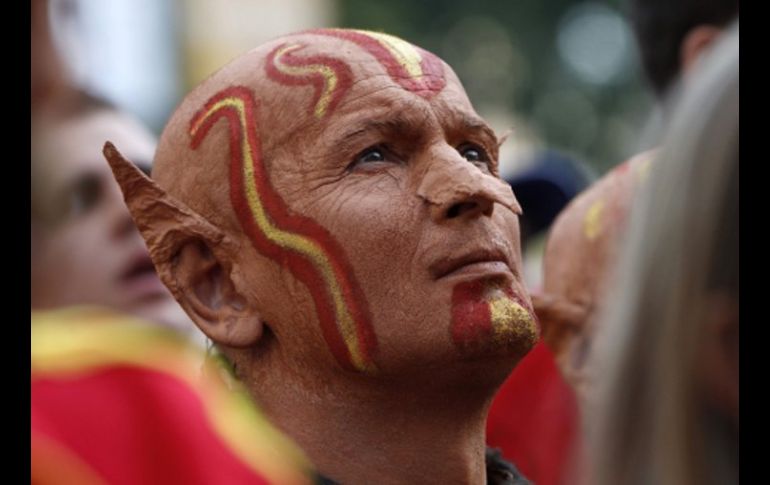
x=193, y=257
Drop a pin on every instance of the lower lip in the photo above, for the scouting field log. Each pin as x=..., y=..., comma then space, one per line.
x=143, y=286
x=481, y=269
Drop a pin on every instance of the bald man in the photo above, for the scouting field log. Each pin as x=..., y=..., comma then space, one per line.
x=587, y=236
x=327, y=208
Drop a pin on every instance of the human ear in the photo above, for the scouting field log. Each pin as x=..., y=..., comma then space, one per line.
x=559, y=319
x=193, y=258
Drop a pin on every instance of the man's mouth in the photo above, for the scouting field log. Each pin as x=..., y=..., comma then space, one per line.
x=480, y=262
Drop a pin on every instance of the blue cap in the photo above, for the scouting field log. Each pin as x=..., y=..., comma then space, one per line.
x=546, y=187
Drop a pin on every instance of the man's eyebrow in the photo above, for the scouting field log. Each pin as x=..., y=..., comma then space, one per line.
x=471, y=123
x=400, y=126
x=397, y=123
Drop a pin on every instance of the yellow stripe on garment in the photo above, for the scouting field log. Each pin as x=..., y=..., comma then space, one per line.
x=330, y=77
x=80, y=340
x=75, y=339
x=404, y=52
x=295, y=242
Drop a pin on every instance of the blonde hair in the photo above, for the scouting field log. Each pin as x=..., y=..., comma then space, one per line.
x=651, y=424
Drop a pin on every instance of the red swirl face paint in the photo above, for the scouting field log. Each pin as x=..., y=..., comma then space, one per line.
x=412, y=68
x=330, y=77
x=309, y=251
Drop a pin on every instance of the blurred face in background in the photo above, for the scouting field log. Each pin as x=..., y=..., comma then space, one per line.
x=85, y=247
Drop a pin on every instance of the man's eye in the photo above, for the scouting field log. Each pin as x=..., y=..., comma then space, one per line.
x=372, y=154
x=474, y=154
x=374, y=157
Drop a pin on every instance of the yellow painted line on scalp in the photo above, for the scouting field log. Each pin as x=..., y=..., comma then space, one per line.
x=330, y=77
x=292, y=241
x=404, y=52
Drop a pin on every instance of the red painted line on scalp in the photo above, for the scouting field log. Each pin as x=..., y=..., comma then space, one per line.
x=300, y=266
x=317, y=80
x=432, y=80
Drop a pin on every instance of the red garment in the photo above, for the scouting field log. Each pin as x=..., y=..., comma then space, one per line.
x=534, y=419
x=115, y=401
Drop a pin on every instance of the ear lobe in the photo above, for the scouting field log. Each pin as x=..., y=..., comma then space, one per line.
x=211, y=297
x=179, y=241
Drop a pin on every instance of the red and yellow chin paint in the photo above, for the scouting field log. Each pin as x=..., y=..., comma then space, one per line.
x=488, y=315
x=412, y=68
x=308, y=250
x=330, y=77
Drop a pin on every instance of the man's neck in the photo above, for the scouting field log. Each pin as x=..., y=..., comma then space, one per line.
x=381, y=431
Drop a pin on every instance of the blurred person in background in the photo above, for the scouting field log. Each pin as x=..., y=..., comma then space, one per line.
x=586, y=238
x=119, y=394
x=85, y=248
x=49, y=81
x=672, y=36
x=587, y=235
x=666, y=358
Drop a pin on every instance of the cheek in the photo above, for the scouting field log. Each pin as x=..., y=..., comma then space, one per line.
x=378, y=229
x=509, y=225
x=326, y=242
x=373, y=222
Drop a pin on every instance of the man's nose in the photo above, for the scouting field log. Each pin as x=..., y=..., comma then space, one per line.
x=455, y=188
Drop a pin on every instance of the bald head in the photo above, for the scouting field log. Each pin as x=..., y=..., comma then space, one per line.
x=287, y=91
x=284, y=149
x=579, y=256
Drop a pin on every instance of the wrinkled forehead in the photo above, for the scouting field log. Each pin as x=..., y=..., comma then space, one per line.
x=303, y=82
x=294, y=96
x=345, y=58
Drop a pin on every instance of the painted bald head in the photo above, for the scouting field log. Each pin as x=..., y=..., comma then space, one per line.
x=331, y=197
x=582, y=247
